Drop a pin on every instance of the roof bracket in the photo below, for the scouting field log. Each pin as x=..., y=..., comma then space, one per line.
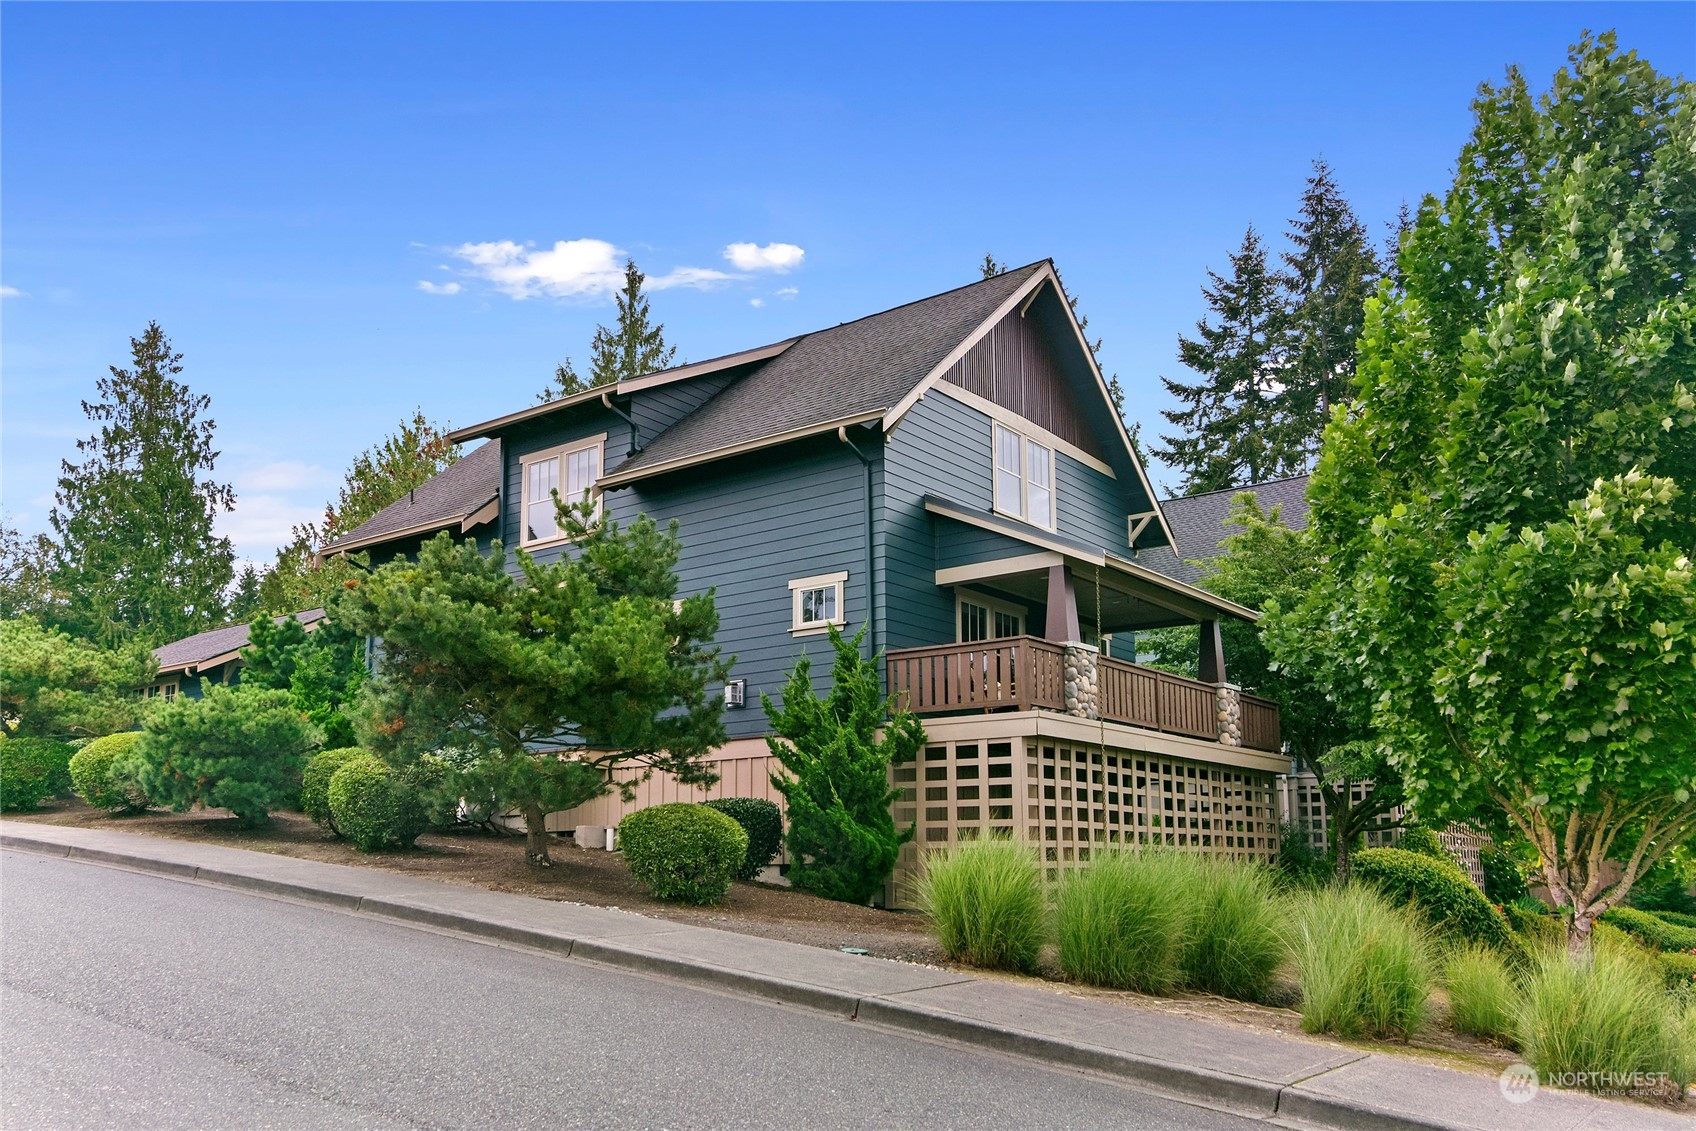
x=1030, y=298
x=1137, y=524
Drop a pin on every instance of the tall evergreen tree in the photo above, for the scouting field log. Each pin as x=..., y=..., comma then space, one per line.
x=633, y=346
x=1227, y=435
x=244, y=600
x=136, y=556
x=1329, y=272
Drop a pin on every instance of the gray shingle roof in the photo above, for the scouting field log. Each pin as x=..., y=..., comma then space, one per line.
x=1198, y=524
x=859, y=367
x=203, y=646
x=449, y=497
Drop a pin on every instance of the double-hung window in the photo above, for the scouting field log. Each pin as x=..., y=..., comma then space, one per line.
x=571, y=470
x=1024, y=478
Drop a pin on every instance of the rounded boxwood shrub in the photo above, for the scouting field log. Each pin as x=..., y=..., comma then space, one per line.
x=101, y=782
x=682, y=851
x=1449, y=901
x=1422, y=840
x=1651, y=929
x=315, y=782
x=762, y=820
x=32, y=769
x=373, y=806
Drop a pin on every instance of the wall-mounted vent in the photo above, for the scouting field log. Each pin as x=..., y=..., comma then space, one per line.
x=736, y=693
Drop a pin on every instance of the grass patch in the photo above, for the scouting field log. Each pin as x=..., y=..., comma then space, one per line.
x=985, y=903
x=1607, y=1014
x=1124, y=920
x=1237, y=939
x=1484, y=996
x=1365, y=966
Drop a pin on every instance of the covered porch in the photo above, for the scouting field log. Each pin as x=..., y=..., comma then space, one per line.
x=1060, y=635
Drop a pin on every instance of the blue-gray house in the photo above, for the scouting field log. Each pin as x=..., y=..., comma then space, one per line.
x=952, y=475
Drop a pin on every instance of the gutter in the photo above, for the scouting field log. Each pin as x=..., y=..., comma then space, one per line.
x=871, y=572
x=635, y=429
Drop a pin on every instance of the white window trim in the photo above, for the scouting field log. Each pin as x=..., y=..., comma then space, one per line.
x=963, y=595
x=1025, y=442
x=818, y=581
x=561, y=451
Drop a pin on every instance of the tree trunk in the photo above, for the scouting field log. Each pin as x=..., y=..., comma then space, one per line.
x=1343, y=861
x=1578, y=934
x=536, y=837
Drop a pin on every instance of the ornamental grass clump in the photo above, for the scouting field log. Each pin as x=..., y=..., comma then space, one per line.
x=1237, y=938
x=986, y=904
x=1124, y=919
x=1484, y=996
x=1365, y=966
x=1605, y=1013
x=96, y=777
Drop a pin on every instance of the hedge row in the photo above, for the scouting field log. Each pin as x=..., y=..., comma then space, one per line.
x=1440, y=890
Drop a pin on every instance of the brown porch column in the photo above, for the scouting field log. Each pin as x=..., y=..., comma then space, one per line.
x=1062, y=626
x=1210, y=667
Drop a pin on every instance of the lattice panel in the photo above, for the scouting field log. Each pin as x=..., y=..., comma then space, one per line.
x=1072, y=800
x=1304, y=806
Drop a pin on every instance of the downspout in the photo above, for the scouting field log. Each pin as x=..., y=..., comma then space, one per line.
x=871, y=574
x=635, y=430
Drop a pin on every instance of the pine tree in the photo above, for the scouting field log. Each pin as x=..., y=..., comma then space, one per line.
x=991, y=266
x=1329, y=272
x=415, y=452
x=244, y=601
x=565, y=383
x=634, y=347
x=136, y=554
x=1227, y=428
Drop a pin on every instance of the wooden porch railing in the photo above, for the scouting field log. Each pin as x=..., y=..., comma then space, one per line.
x=1024, y=673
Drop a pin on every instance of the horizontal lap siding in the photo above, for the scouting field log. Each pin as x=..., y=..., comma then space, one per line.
x=655, y=410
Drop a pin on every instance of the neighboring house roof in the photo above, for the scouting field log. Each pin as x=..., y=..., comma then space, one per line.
x=849, y=373
x=217, y=646
x=1198, y=524
x=457, y=496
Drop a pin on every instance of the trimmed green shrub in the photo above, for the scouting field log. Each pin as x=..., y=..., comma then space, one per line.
x=1610, y=1013
x=315, y=782
x=1651, y=929
x=1365, y=965
x=375, y=807
x=31, y=770
x=1449, y=901
x=1678, y=968
x=1237, y=938
x=1504, y=882
x=1423, y=840
x=1124, y=919
x=985, y=903
x=95, y=778
x=684, y=852
x=238, y=750
x=1676, y=918
x=762, y=820
x=1484, y=997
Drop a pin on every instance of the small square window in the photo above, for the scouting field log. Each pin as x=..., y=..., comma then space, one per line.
x=816, y=603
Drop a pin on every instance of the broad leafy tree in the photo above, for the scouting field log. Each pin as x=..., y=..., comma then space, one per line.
x=1227, y=430
x=136, y=555
x=843, y=843
x=53, y=685
x=559, y=681
x=26, y=571
x=1508, y=508
x=322, y=670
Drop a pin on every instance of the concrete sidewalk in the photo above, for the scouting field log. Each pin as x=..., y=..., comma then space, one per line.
x=1287, y=1079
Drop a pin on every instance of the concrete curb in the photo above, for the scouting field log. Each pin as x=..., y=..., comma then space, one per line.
x=1284, y=1101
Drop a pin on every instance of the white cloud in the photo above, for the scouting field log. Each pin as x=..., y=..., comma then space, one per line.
x=12, y=292
x=430, y=288
x=569, y=269
x=701, y=278
x=261, y=523
x=786, y=292
x=285, y=475
x=779, y=257
x=756, y=303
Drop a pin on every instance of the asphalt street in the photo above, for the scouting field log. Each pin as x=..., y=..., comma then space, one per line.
x=138, y=1002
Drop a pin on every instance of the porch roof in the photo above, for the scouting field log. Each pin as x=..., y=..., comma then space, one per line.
x=1132, y=596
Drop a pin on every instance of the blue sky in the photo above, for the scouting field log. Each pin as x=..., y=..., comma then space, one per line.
x=274, y=184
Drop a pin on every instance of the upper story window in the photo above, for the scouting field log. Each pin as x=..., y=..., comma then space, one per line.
x=1024, y=478
x=572, y=470
x=984, y=618
x=815, y=603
